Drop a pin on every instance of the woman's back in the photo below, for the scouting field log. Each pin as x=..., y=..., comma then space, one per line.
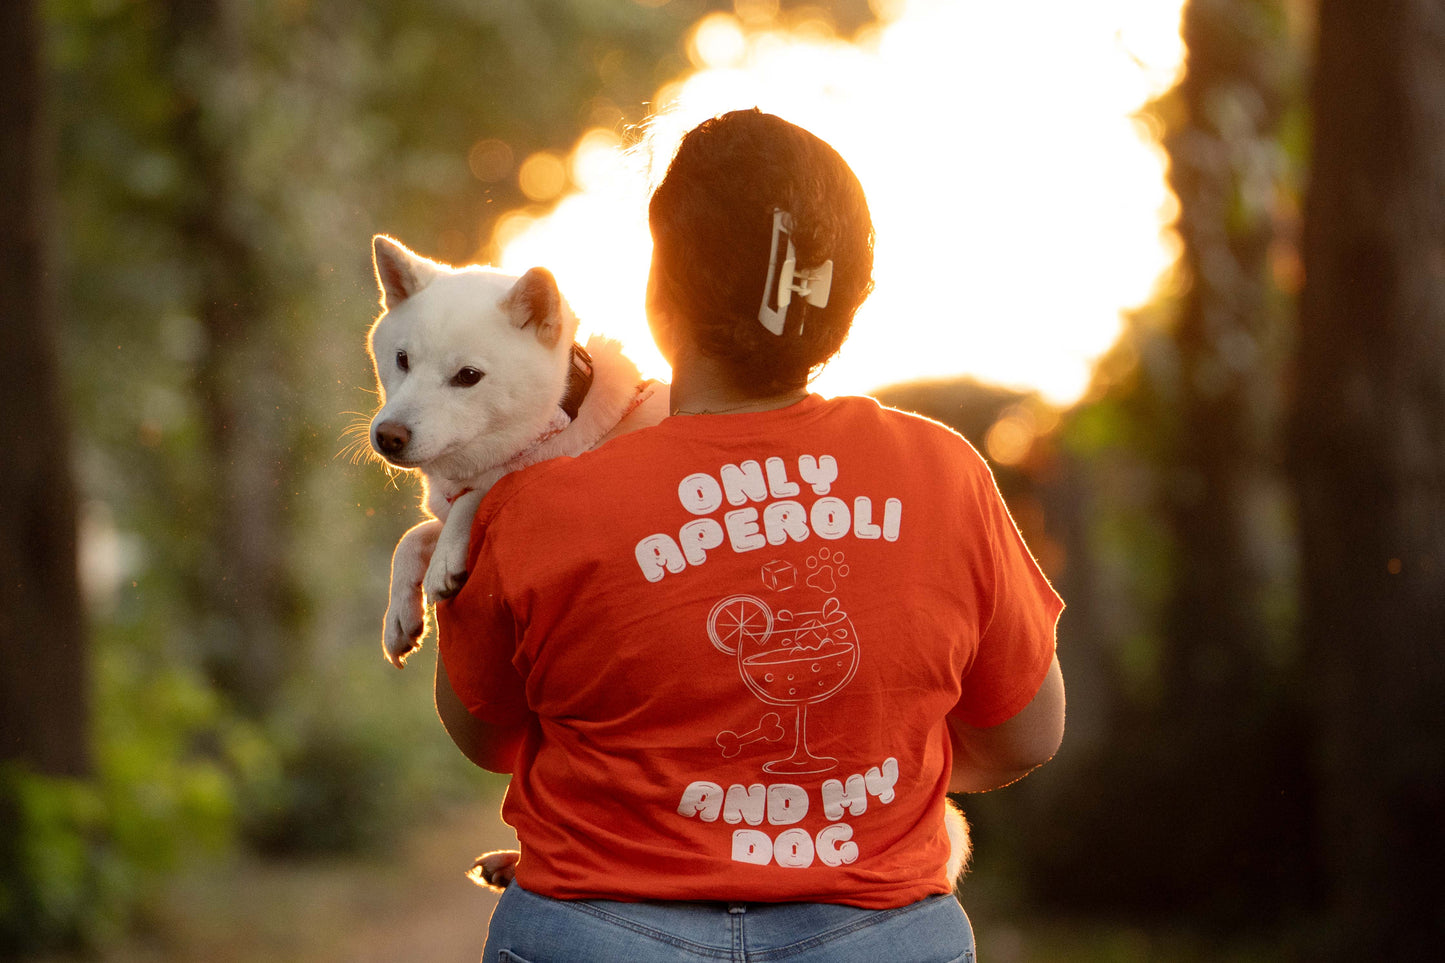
x=740, y=637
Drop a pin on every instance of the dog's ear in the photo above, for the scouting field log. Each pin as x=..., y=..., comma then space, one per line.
x=399, y=272
x=535, y=300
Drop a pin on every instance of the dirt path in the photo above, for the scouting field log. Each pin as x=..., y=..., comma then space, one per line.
x=415, y=906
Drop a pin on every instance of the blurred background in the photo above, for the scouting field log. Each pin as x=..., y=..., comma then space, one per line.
x=1177, y=267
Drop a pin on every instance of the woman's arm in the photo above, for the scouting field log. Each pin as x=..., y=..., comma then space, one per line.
x=991, y=758
x=490, y=746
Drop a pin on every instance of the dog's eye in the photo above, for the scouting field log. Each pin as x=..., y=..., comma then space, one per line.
x=402, y=363
x=466, y=377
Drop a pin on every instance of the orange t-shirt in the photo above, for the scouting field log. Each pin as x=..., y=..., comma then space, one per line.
x=736, y=640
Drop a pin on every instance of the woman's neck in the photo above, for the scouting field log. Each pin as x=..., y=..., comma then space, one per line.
x=725, y=406
x=702, y=387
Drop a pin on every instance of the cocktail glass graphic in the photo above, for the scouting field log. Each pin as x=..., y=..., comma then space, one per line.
x=792, y=659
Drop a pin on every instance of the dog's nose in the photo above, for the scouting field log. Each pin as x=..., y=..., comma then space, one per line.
x=391, y=437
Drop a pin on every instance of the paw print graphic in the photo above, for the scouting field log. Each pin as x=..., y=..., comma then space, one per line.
x=824, y=569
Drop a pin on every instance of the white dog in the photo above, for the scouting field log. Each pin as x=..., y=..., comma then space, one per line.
x=480, y=375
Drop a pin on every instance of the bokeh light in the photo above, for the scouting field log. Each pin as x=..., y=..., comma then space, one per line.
x=489, y=160
x=542, y=176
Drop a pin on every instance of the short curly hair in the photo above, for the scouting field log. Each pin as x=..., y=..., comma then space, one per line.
x=712, y=220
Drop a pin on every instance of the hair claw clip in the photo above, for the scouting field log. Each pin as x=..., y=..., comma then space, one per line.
x=785, y=278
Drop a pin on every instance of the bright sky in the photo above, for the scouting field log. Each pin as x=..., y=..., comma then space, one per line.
x=1018, y=206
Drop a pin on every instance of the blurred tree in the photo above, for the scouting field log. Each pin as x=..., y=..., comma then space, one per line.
x=1369, y=459
x=43, y=686
x=244, y=579
x=44, y=683
x=1225, y=169
x=1183, y=562
x=1226, y=744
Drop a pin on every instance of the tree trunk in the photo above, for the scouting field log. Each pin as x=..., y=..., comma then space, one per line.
x=1221, y=172
x=243, y=585
x=1369, y=458
x=1228, y=798
x=43, y=682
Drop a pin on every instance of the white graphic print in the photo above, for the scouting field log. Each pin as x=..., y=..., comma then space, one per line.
x=791, y=658
x=750, y=506
x=824, y=566
x=770, y=729
x=794, y=646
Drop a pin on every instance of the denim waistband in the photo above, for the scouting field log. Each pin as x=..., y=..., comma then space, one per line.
x=529, y=928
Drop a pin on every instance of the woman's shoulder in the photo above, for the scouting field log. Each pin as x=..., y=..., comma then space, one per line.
x=519, y=486
x=571, y=475
x=916, y=428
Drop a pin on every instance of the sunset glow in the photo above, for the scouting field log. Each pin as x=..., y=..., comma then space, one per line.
x=1019, y=204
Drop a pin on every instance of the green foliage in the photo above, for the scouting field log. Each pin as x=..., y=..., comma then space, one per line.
x=169, y=762
x=53, y=880
x=356, y=758
x=171, y=758
x=1117, y=447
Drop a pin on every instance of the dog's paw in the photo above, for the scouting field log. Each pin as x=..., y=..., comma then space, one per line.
x=402, y=631
x=446, y=574
x=495, y=870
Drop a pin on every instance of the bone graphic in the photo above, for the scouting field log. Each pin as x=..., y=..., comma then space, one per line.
x=769, y=728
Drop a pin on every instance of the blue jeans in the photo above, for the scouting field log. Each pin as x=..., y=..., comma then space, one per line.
x=527, y=928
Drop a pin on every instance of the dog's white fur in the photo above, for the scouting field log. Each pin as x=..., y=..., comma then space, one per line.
x=472, y=365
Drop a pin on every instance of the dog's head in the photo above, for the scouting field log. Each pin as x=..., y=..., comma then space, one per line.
x=470, y=362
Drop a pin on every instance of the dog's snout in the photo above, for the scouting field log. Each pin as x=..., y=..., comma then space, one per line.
x=391, y=437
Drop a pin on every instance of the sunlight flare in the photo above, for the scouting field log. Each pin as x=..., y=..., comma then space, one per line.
x=1020, y=204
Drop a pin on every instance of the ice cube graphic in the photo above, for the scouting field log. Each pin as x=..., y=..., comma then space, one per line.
x=779, y=575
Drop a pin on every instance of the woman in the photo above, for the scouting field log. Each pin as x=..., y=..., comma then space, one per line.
x=734, y=662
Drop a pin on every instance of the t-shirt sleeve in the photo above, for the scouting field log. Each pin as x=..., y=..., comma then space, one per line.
x=477, y=634
x=1018, y=614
